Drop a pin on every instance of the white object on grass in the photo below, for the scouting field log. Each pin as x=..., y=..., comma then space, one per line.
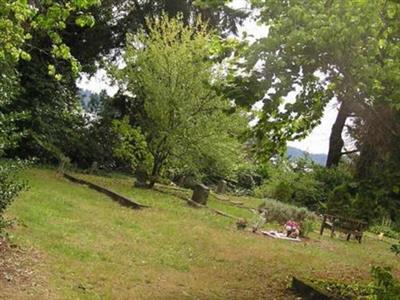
x=279, y=235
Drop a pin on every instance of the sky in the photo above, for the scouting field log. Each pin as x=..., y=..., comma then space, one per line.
x=316, y=142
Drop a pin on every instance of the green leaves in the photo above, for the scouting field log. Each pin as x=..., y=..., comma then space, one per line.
x=171, y=72
x=9, y=187
x=85, y=20
x=131, y=144
x=17, y=18
x=318, y=51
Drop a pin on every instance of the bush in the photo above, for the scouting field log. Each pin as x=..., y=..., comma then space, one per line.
x=291, y=186
x=280, y=212
x=247, y=177
x=385, y=285
x=9, y=186
x=387, y=231
x=306, y=227
x=302, y=183
x=395, y=249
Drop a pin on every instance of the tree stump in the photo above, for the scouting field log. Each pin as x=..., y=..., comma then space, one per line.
x=200, y=194
x=221, y=188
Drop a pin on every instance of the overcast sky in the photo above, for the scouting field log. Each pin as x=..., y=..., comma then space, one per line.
x=316, y=142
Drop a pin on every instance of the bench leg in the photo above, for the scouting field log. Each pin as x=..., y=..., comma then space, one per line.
x=348, y=237
x=332, y=232
x=321, y=232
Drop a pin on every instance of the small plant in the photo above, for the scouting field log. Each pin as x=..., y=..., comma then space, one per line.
x=386, y=230
x=307, y=226
x=280, y=212
x=241, y=224
x=9, y=186
x=386, y=287
x=395, y=248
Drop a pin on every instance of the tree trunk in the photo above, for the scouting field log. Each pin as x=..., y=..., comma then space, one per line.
x=336, y=142
x=155, y=172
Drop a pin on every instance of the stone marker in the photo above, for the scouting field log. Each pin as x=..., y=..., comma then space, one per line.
x=93, y=168
x=141, y=178
x=200, y=194
x=221, y=188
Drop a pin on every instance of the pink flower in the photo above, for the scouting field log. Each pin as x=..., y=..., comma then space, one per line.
x=292, y=224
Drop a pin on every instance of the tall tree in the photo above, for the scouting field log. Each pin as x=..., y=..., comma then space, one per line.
x=183, y=118
x=18, y=19
x=324, y=50
x=116, y=18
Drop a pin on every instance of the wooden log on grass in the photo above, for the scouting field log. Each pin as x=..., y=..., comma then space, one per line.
x=124, y=201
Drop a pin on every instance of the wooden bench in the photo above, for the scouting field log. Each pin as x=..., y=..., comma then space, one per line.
x=346, y=225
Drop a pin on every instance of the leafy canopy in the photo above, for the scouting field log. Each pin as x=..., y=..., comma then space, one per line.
x=321, y=50
x=171, y=72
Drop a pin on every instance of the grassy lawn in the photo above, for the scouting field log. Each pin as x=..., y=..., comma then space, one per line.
x=92, y=248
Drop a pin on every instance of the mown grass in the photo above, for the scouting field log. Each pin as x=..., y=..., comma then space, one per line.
x=92, y=248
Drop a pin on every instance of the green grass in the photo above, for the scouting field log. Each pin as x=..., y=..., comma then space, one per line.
x=92, y=248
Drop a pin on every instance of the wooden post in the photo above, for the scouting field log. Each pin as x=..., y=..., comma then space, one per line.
x=321, y=232
x=200, y=194
x=221, y=189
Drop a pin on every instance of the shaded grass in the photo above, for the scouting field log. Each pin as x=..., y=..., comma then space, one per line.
x=95, y=249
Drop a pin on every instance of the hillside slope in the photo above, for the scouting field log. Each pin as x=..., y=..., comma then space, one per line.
x=92, y=248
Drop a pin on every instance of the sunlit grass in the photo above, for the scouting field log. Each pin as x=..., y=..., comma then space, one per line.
x=95, y=249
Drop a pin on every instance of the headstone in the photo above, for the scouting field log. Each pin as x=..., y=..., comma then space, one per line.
x=221, y=188
x=181, y=180
x=94, y=167
x=141, y=178
x=200, y=194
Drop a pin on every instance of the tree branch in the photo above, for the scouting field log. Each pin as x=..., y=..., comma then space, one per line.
x=350, y=152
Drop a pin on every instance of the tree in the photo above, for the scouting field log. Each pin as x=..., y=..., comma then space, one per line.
x=17, y=20
x=324, y=50
x=171, y=72
x=116, y=18
x=43, y=72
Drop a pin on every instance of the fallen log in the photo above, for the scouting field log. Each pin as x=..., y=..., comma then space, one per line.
x=124, y=201
x=196, y=204
x=219, y=212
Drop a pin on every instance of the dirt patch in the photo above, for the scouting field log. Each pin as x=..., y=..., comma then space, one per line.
x=18, y=277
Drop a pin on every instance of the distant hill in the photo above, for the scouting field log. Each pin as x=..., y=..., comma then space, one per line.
x=319, y=158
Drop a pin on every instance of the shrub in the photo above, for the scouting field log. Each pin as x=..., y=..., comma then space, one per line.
x=9, y=186
x=341, y=201
x=302, y=183
x=292, y=187
x=387, y=231
x=247, y=177
x=385, y=285
x=395, y=249
x=241, y=224
x=280, y=212
x=306, y=227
